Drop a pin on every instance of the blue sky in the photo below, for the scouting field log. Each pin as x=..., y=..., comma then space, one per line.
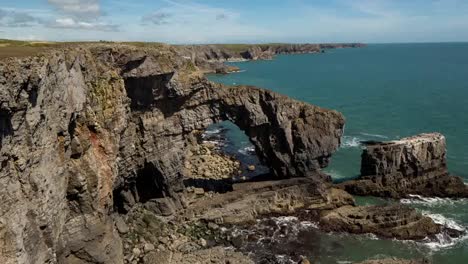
x=235, y=21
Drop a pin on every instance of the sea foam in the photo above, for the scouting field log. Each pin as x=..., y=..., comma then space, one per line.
x=351, y=142
x=430, y=201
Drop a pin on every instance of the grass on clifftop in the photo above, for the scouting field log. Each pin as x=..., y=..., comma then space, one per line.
x=19, y=48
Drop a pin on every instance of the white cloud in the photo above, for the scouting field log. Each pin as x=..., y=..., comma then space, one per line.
x=86, y=8
x=72, y=24
x=191, y=22
x=80, y=14
x=15, y=18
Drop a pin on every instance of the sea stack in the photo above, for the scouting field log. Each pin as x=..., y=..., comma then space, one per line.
x=413, y=165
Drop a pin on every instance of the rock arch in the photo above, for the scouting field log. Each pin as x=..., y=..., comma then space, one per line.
x=294, y=139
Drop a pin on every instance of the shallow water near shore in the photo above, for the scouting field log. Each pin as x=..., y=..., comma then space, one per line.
x=386, y=92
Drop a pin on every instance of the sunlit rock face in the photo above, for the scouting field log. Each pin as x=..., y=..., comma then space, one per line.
x=414, y=165
x=87, y=131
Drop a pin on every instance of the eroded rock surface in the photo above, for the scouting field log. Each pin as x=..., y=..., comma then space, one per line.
x=414, y=165
x=86, y=131
x=396, y=221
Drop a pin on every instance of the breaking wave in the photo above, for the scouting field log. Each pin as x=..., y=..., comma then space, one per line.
x=356, y=141
x=247, y=150
x=351, y=142
x=444, y=240
x=374, y=135
x=213, y=131
x=431, y=201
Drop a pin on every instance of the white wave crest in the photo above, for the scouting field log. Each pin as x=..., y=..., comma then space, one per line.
x=350, y=142
x=430, y=201
x=247, y=150
x=442, y=220
x=374, y=135
x=443, y=240
x=213, y=132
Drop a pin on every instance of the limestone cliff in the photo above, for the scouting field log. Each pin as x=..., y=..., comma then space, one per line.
x=86, y=131
x=210, y=58
x=415, y=165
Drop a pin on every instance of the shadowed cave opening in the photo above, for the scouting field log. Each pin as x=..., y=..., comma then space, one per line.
x=147, y=184
x=145, y=91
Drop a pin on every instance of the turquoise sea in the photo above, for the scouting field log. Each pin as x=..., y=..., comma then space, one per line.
x=385, y=91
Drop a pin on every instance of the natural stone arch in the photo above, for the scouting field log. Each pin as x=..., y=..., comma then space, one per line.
x=294, y=139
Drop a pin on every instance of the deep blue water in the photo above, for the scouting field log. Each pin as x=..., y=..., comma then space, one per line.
x=385, y=91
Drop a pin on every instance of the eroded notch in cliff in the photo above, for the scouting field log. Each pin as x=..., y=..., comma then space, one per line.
x=6, y=127
x=145, y=91
x=146, y=185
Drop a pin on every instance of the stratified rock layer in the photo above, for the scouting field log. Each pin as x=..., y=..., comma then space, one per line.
x=396, y=221
x=88, y=130
x=414, y=165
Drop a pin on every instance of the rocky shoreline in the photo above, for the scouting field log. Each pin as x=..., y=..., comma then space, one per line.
x=211, y=58
x=101, y=161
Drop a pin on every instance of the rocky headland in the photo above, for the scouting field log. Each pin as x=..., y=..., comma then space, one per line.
x=100, y=161
x=211, y=58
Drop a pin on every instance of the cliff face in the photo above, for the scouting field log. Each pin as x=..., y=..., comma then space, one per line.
x=210, y=57
x=415, y=165
x=87, y=131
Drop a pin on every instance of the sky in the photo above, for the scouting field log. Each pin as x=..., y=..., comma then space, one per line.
x=236, y=21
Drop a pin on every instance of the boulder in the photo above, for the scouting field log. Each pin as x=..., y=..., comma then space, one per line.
x=161, y=206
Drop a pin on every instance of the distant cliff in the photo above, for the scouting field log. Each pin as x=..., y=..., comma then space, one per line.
x=209, y=57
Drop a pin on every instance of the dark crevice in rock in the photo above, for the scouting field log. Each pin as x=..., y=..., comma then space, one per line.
x=145, y=91
x=130, y=65
x=150, y=183
x=6, y=128
x=210, y=185
x=72, y=125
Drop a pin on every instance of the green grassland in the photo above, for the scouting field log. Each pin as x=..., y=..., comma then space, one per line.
x=19, y=48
